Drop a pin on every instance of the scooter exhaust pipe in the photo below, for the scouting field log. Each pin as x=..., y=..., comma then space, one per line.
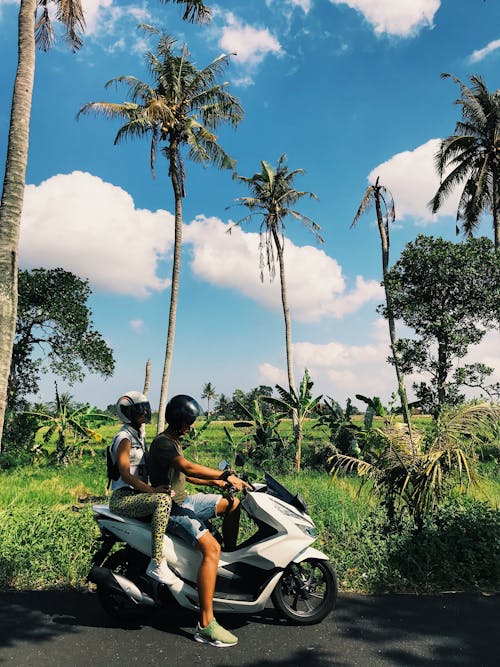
x=105, y=577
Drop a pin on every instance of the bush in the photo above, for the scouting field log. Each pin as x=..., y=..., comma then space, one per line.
x=14, y=458
x=19, y=432
x=458, y=548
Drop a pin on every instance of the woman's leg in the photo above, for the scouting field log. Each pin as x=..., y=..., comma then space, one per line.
x=136, y=505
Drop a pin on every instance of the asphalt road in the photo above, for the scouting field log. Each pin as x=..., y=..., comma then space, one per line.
x=68, y=629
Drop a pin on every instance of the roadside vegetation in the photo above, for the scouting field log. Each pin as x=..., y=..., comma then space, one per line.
x=47, y=533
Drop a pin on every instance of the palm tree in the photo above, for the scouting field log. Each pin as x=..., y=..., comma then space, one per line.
x=32, y=32
x=472, y=157
x=273, y=195
x=180, y=109
x=209, y=394
x=386, y=213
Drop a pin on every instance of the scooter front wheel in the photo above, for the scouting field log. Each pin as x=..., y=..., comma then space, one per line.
x=307, y=591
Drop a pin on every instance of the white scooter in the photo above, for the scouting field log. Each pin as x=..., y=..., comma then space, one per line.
x=276, y=562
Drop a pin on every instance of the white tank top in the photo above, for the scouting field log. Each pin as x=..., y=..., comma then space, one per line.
x=138, y=467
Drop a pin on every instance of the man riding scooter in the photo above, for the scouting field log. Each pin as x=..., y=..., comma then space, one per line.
x=168, y=466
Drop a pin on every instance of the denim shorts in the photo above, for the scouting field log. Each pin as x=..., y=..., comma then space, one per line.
x=187, y=519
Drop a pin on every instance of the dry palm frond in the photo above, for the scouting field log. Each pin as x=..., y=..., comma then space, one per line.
x=418, y=472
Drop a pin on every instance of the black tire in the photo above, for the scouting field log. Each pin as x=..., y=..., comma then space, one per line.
x=307, y=591
x=116, y=604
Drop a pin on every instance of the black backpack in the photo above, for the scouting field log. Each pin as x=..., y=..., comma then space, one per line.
x=112, y=468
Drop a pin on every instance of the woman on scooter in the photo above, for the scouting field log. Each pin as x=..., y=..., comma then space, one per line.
x=169, y=466
x=131, y=494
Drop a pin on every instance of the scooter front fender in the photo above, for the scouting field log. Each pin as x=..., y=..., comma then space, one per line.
x=310, y=552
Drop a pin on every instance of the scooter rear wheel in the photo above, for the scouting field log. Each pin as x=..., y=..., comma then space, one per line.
x=307, y=591
x=118, y=605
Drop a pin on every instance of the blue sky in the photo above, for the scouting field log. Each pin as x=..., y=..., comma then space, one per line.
x=348, y=89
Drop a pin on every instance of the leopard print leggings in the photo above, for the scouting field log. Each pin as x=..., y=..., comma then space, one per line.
x=127, y=502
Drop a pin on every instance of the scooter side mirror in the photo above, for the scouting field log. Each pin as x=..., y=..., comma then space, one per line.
x=239, y=459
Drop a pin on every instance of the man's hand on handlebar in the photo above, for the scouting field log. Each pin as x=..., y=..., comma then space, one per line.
x=238, y=483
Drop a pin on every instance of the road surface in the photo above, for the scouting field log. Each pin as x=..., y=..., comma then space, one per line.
x=68, y=629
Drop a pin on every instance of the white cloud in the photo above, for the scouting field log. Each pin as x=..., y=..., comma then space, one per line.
x=250, y=44
x=305, y=5
x=94, y=10
x=480, y=54
x=412, y=179
x=270, y=375
x=341, y=370
x=400, y=18
x=136, y=325
x=243, y=81
x=315, y=284
x=92, y=228
x=113, y=25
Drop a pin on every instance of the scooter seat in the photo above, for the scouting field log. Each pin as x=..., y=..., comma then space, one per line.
x=104, y=510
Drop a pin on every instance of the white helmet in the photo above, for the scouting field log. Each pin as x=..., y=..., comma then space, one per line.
x=132, y=405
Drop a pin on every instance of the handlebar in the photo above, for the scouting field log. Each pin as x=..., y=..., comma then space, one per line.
x=232, y=490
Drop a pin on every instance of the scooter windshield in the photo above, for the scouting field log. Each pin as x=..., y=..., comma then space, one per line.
x=274, y=488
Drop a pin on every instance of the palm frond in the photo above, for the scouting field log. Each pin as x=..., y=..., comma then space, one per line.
x=366, y=204
x=70, y=14
x=110, y=109
x=195, y=11
x=350, y=464
x=44, y=32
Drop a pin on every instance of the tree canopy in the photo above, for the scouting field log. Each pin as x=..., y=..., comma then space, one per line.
x=449, y=293
x=54, y=332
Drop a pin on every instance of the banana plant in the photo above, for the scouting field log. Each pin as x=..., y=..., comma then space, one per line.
x=193, y=436
x=344, y=434
x=70, y=427
x=267, y=447
x=298, y=403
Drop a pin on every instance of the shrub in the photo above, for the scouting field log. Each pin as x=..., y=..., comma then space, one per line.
x=458, y=548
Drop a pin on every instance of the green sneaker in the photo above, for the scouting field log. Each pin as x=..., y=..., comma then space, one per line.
x=215, y=635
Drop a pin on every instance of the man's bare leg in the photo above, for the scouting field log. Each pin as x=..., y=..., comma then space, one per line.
x=207, y=575
x=231, y=522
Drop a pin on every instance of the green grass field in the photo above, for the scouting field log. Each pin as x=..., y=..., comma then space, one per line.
x=47, y=533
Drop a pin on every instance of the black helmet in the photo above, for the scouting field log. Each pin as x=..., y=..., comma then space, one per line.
x=181, y=411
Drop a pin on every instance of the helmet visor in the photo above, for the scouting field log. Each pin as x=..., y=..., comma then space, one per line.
x=142, y=409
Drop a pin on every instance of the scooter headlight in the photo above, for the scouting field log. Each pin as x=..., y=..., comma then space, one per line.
x=308, y=530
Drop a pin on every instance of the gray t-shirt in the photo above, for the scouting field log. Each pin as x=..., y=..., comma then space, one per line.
x=164, y=449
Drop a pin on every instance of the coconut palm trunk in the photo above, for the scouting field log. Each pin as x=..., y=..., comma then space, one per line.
x=273, y=195
x=174, y=294
x=384, y=239
x=288, y=335
x=13, y=192
x=380, y=196
x=286, y=310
